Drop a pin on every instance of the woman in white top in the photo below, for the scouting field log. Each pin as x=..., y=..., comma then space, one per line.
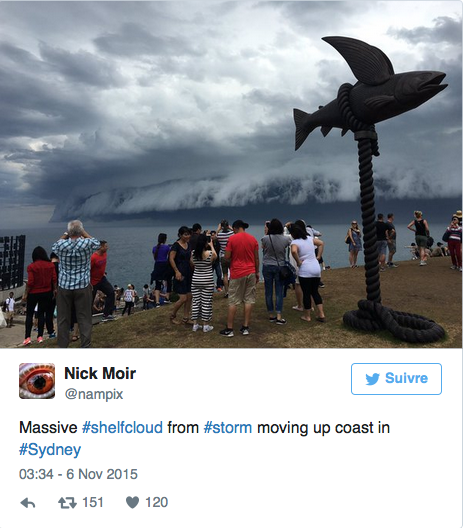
x=309, y=270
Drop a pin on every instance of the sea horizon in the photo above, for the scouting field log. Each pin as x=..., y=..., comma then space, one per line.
x=130, y=247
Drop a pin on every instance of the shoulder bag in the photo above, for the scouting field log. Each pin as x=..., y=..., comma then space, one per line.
x=286, y=271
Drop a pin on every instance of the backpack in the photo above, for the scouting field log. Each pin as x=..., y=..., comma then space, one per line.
x=4, y=306
x=128, y=296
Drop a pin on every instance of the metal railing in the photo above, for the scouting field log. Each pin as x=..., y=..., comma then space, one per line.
x=12, y=261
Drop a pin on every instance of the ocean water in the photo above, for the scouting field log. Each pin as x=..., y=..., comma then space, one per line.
x=130, y=248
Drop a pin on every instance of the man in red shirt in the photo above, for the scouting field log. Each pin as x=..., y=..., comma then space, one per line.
x=99, y=280
x=242, y=252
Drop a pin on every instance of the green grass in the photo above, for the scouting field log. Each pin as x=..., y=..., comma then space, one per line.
x=402, y=289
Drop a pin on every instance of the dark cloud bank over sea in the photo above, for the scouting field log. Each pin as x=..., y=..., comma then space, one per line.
x=436, y=210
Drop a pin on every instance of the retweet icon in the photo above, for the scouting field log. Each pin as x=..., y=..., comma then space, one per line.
x=371, y=380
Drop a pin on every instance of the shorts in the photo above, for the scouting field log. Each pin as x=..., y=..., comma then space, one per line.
x=421, y=240
x=8, y=315
x=382, y=247
x=225, y=266
x=242, y=290
x=392, y=246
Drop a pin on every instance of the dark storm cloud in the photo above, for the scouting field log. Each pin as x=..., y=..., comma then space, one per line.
x=311, y=21
x=81, y=67
x=134, y=40
x=28, y=107
x=445, y=29
x=127, y=107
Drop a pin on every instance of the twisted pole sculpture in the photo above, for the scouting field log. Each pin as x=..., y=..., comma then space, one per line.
x=378, y=95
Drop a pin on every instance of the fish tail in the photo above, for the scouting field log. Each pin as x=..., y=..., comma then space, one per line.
x=302, y=130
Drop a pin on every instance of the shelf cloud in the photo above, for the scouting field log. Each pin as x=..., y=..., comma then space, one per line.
x=159, y=106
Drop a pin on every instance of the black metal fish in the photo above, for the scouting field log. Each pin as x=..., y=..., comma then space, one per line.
x=378, y=95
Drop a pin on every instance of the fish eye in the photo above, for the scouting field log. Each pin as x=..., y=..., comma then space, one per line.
x=36, y=381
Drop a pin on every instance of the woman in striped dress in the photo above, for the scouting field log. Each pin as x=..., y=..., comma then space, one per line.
x=202, y=283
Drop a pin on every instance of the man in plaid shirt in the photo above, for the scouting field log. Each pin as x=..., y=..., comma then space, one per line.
x=74, y=249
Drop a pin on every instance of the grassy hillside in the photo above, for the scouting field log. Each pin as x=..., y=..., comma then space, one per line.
x=433, y=291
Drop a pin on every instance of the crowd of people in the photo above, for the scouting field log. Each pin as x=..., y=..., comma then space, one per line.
x=421, y=249
x=72, y=282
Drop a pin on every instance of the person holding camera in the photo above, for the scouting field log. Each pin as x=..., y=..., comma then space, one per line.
x=202, y=282
x=216, y=265
x=74, y=250
x=224, y=232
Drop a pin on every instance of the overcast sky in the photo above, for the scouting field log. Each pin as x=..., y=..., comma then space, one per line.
x=170, y=105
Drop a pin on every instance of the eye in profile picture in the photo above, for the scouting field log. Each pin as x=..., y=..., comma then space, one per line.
x=37, y=381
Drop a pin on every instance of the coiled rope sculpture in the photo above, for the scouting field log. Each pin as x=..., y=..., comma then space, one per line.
x=379, y=95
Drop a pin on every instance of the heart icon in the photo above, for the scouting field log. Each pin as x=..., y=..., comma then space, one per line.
x=132, y=502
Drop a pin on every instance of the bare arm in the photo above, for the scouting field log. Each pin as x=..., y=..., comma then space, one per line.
x=294, y=250
x=86, y=235
x=320, y=245
x=410, y=226
x=178, y=275
x=257, y=264
x=214, y=253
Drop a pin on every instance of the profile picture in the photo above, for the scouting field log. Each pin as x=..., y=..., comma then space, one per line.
x=37, y=380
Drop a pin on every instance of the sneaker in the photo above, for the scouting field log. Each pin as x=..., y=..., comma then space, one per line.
x=244, y=330
x=207, y=328
x=392, y=265
x=227, y=332
x=382, y=269
x=196, y=327
x=27, y=341
x=453, y=267
x=158, y=305
x=40, y=339
x=226, y=295
x=272, y=320
x=281, y=321
x=460, y=268
x=422, y=263
x=110, y=317
x=321, y=285
x=52, y=335
x=219, y=289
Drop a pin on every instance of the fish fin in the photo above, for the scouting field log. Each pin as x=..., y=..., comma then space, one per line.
x=301, y=133
x=369, y=64
x=344, y=132
x=325, y=131
x=379, y=101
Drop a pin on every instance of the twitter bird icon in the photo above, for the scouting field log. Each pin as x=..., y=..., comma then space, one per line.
x=371, y=380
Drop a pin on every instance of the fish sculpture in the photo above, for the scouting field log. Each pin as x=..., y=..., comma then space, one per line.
x=379, y=93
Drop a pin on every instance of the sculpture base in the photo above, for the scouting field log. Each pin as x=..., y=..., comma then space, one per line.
x=412, y=328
